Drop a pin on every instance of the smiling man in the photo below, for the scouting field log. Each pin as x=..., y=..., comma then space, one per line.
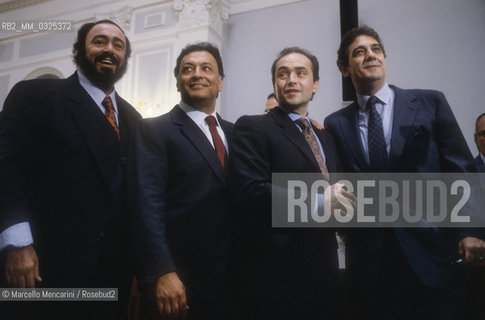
x=286, y=273
x=181, y=198
x=400, y=273
x=63, y=151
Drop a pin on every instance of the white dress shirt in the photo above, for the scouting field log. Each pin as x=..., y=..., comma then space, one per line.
x=199, y=118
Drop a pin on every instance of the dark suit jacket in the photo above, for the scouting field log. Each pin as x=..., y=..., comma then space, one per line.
x=181, y=204
x=62, y=169
x=479, y=164
x=425, y=138
x=278, y=265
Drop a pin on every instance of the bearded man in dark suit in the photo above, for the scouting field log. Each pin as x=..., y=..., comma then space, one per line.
x=63, y=153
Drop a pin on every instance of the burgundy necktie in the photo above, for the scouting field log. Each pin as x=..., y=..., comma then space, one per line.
x=216, y=138
x=313, y=143
x=109, y=112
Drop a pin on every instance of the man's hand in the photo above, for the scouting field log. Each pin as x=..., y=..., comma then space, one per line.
x=472, y=249
x=22, y=267
x=339, y=198
x=170, y=294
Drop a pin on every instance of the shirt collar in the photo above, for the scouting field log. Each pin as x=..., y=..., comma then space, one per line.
x=384, y=94
x=195, y=114
x=296, y=116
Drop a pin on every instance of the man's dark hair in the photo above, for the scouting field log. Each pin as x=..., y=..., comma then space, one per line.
x=286, y=51
x=349, y=37
x=79, y=47
x=271, y=95
x=477, y=121
x=200, y=46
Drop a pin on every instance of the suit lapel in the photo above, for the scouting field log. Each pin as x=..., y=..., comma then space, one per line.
x=291, y=132
x=227, y=128
x=93, y=124
x=199, y=140
x=403, y=118
x=349, y=130
x=127, y=118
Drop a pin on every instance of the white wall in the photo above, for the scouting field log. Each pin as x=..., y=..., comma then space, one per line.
x=434, y=44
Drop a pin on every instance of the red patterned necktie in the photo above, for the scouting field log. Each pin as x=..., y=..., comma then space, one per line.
x=218, y=144
x=109, y=112
x=313, y=143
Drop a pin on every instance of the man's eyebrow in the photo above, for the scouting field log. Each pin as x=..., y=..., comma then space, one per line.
x=118, y=39
x=100, y=36
x=357, y=48
x=105, y=37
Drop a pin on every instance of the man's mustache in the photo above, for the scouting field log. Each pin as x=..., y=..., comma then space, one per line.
x=108, y=55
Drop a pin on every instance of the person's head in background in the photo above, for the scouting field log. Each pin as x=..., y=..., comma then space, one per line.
x=271, y=102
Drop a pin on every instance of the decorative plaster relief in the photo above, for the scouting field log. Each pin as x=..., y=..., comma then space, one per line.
x=122, y=17
x=192, y=14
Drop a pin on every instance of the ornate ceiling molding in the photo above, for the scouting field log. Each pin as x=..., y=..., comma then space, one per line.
x=122, y=16
x=192, y=14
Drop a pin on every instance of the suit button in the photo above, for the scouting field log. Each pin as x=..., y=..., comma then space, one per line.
x=99, y=235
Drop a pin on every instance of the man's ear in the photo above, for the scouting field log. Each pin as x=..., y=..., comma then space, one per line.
x=344, y=71
x=221, y=84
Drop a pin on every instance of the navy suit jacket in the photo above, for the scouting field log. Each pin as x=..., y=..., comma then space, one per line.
x=479, y=164
x=62, y=169
x=425, y=138
x=277, y=263
x=181, y=204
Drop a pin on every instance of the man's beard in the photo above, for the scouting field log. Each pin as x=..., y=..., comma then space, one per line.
x=103, y=80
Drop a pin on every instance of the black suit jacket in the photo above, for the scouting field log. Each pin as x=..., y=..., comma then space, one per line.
x=181, y=204
x=425, y=138
x=278, y=265
x=62, y=169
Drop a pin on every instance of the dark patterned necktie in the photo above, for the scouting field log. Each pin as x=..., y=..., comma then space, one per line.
x=376, y=143
x=109, y=112
x=313, y=143
x=218, y=144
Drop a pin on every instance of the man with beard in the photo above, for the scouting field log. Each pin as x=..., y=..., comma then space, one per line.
x=63, y=146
